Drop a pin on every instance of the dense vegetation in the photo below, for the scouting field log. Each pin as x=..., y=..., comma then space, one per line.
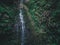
x=8, y=14
x=44, y=16
x=41, y=20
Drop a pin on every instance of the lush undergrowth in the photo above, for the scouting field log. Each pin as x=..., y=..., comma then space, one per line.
x=44, y=15
x=8, y=17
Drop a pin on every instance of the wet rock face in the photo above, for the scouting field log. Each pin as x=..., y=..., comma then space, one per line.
x=26, y=1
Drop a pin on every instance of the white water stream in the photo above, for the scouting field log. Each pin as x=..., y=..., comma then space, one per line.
x=23, y=27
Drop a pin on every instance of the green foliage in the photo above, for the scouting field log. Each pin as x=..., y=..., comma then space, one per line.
x=45, y=15
x=7, y=17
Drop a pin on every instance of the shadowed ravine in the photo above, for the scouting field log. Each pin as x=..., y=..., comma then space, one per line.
x=29, y=22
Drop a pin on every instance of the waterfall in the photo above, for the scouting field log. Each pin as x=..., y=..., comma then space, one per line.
x=22, y=23
x=23, y=27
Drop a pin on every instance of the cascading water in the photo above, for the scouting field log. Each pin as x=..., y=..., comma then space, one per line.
x=23, y=27
x=22, y=23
